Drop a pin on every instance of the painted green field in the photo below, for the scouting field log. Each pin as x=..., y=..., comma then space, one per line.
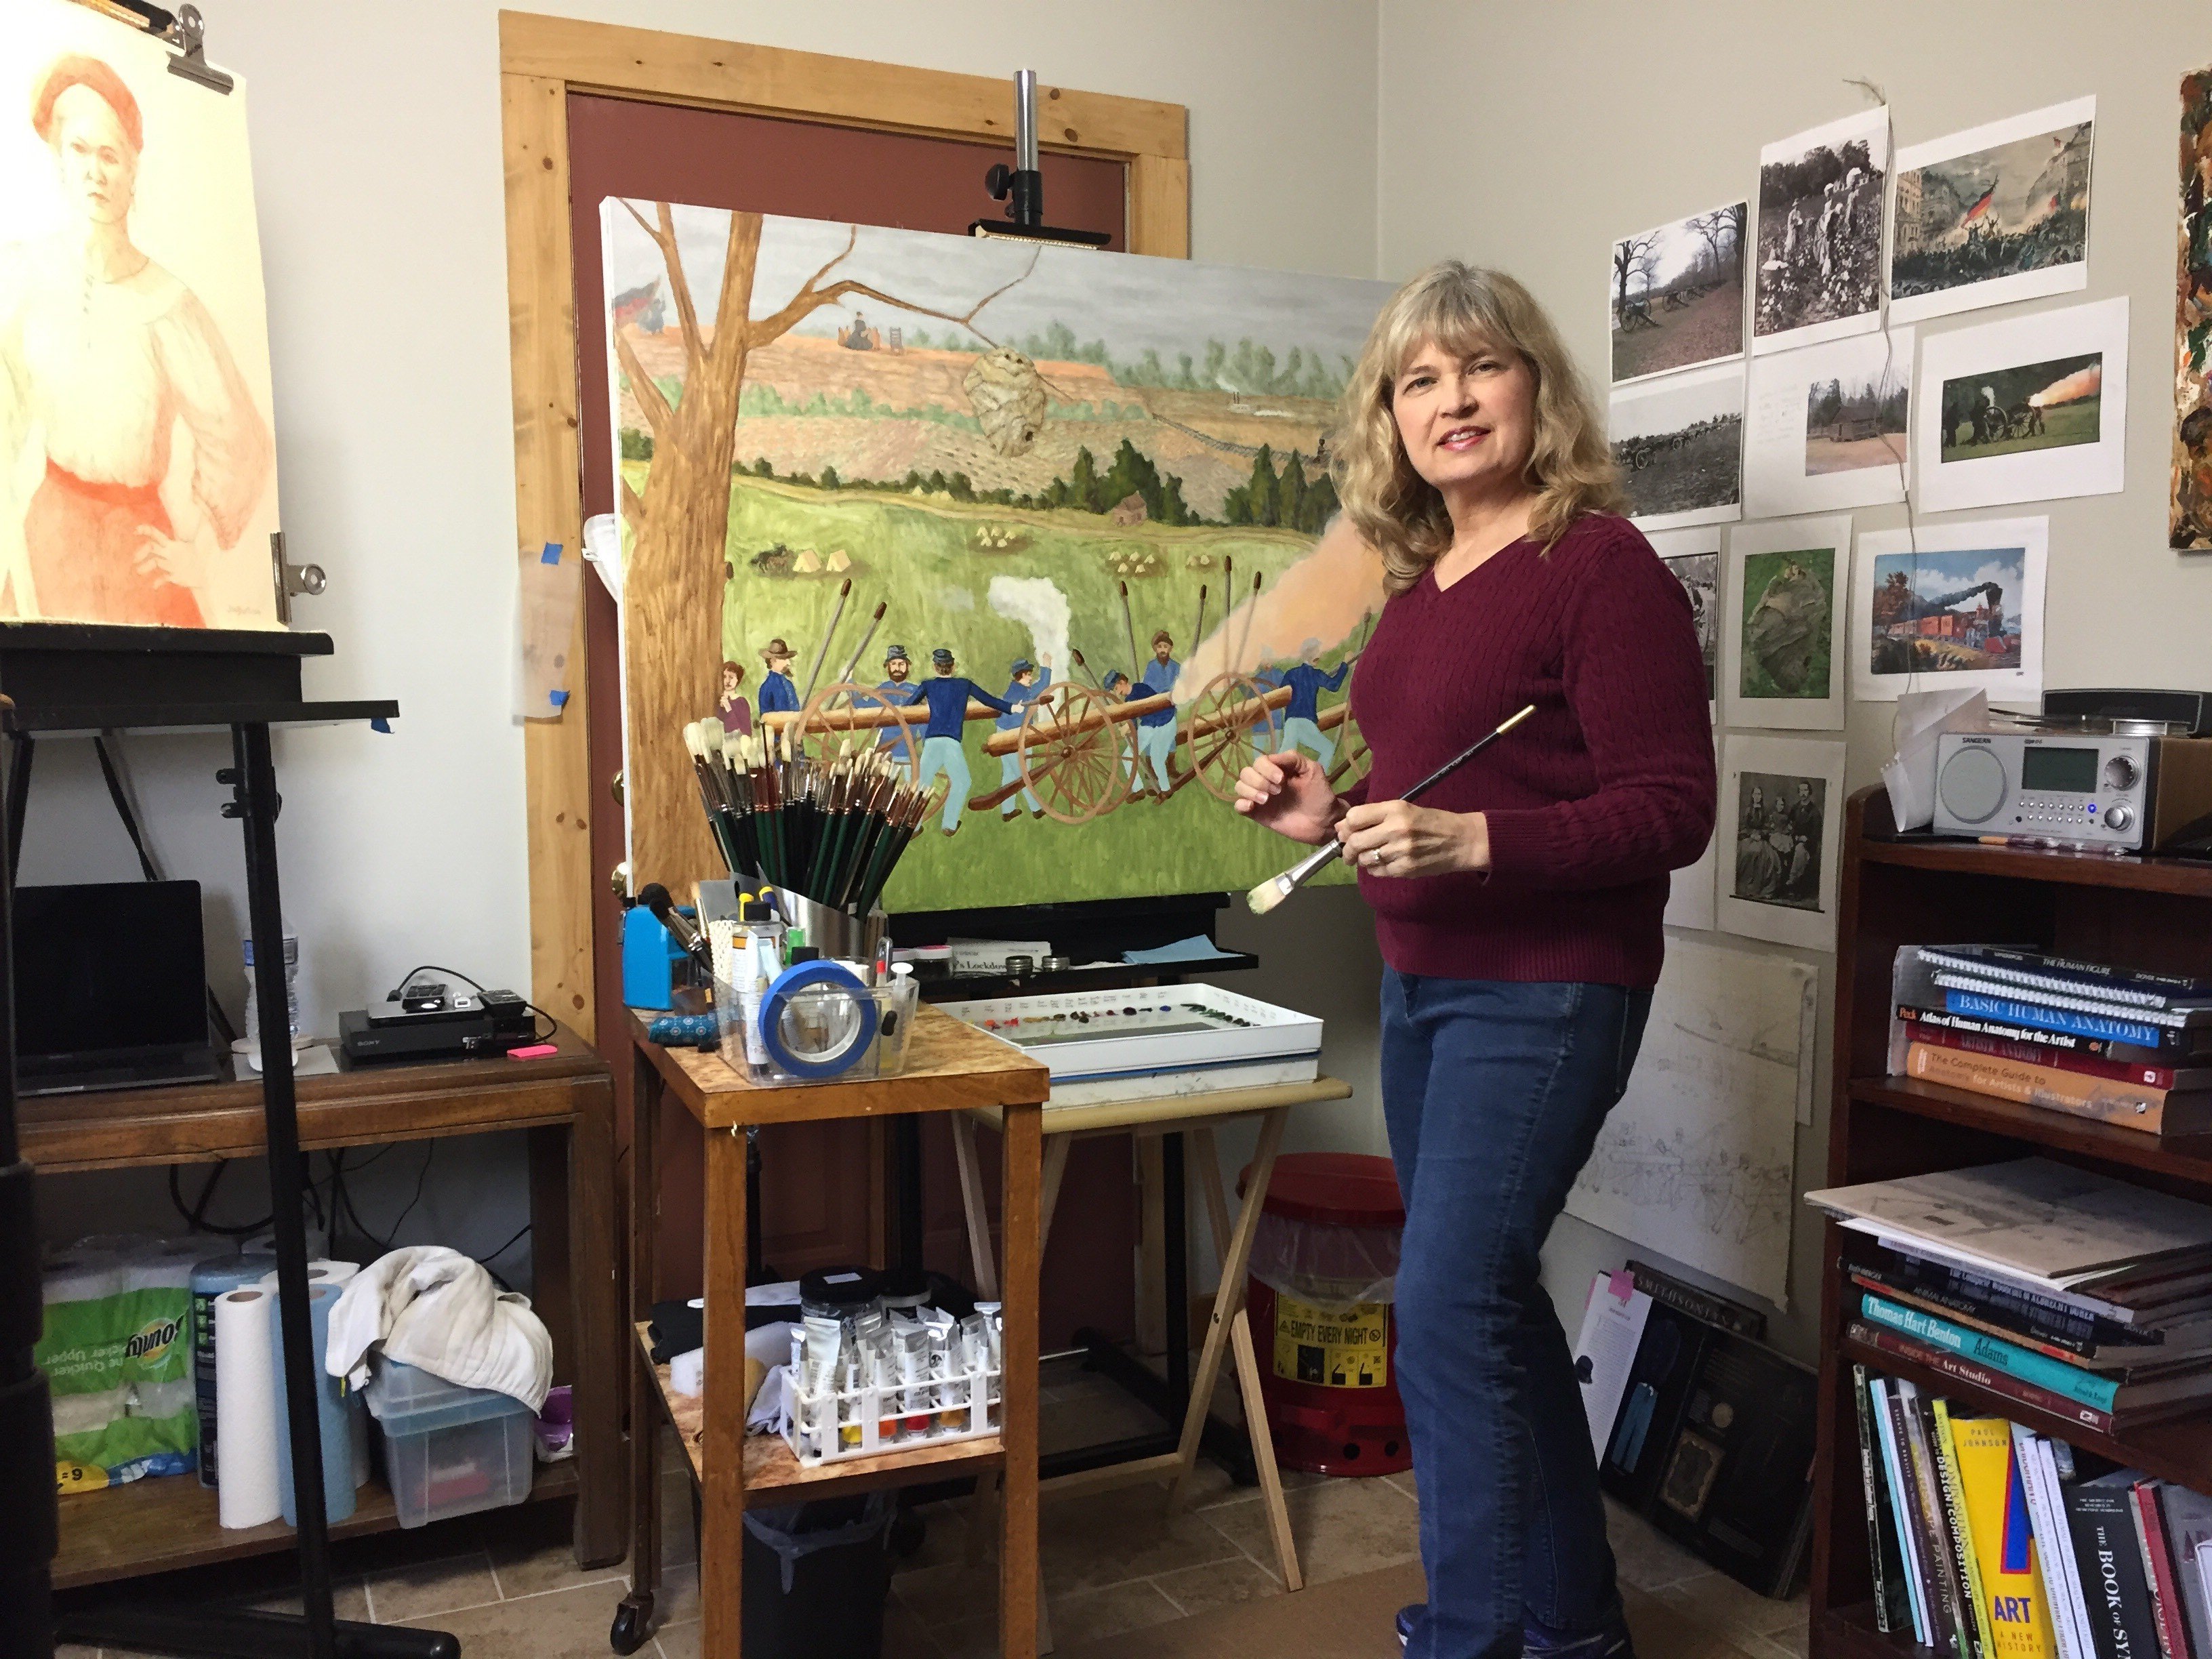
x=921, y=556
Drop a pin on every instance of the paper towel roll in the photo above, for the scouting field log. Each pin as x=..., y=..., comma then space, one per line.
x=322, y=1271
x=162, y=1264
x=246, y=1493
x=213, y=1277
x=335, y=1417
x=80, y=1275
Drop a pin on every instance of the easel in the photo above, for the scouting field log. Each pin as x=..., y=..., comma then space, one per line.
x=76, y=678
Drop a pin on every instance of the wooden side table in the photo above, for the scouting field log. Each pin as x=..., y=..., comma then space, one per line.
x=1230, y=1330
x=950, y=1068
x=565, y=1103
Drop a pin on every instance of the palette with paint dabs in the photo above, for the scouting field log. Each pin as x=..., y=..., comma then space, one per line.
x=1160, y=1040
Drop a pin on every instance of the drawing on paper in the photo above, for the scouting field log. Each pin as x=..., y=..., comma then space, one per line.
x=1947, y=613
x=2042, y=406
x=138, y=472
x=2189, y=519
x=1122, y=542
x=1819, y=227
x=1788, y=624
x=1858, y=420
x=1679, y=445
x=1781, y=824
x=1700, y=576
x=1696, y=1161
x=2018, y=206
x=1677, y=294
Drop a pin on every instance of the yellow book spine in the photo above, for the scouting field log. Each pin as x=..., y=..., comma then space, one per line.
x=2014, y=1604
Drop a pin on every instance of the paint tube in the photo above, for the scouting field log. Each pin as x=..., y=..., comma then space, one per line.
x=824, y=1338
x=976, y=1363
x=914, y=1394
x=995, y=1338
x=762, y=961
x=945, y=1369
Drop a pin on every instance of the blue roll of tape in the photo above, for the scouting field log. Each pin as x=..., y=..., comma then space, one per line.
x=806, y=976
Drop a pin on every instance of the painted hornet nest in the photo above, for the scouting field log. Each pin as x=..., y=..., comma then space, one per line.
x=1784, y=625
x=1007, y=394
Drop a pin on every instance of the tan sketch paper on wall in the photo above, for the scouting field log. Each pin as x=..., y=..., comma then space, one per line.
x=137, y=470
x=1059, y=474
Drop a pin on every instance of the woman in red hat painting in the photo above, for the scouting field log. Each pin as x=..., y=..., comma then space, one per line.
x=104, y=354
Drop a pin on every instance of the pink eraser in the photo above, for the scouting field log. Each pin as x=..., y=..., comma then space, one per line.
x=1622, y=1283
x=535, y=1051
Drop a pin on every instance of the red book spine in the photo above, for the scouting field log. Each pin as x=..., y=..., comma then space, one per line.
x=1980, y=1376
x=2039, y=1054
x=2165, y=1591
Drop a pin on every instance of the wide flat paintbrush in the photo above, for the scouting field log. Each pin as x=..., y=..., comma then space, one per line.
x=1274, y=890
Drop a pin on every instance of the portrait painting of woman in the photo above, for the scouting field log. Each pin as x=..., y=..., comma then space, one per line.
x=138, y=469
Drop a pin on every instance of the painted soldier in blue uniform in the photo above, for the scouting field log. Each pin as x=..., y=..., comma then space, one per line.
x=897, y=688
x=778, y=696
x=1301, y=727
x=1155, y=735
x=1027, y=683
x=947, y=695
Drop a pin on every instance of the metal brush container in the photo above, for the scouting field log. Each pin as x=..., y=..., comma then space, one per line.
x=835, y=933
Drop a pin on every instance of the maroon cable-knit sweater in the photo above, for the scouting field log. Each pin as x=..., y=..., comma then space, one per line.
x=1590, y=801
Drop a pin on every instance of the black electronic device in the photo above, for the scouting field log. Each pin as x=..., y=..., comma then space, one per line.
x=425, y=1021
x=110, y=988
x=2180, y=713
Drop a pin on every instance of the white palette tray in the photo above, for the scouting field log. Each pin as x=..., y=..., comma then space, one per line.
x=1163, y=1039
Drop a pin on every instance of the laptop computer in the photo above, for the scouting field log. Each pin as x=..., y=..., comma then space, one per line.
x=110, y=988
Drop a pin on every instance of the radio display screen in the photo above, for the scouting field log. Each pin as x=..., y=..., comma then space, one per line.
x=2070, y=771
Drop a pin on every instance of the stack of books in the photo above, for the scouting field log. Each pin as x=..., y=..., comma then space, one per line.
x=2048, y=1286
x=1990, y=1541
x=2116, y=1044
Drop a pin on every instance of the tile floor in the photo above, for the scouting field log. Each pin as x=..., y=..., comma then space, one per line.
x=506, y=1585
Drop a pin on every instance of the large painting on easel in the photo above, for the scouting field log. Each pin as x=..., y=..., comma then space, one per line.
x=1092, y=487
x=138, y=469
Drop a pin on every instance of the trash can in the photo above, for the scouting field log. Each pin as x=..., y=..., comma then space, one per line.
x=1324, y=1269
x=817, y=1577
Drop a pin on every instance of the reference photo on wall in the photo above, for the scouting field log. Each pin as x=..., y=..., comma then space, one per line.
x=1818, y=258
x=1781, y=667
x=1677, y=297
x=1695, y=556
x=1957, y=604
x=1827, y=426
x=1678, y=444
x=1782, y=802
x=1997, y=214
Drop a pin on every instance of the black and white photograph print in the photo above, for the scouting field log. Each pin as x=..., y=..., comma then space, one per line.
x=1694, y=557
x=1993, y=215
x=1781, y=818
x=1779, y=823
x=1678, y=444
x=1817, y=262
x=2030, y=408
x=1677, y=294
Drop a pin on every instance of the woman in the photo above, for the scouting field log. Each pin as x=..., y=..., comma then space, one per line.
x=1517, y=905
x=102, y=355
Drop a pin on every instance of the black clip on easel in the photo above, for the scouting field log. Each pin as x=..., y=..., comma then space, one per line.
x=57, y=677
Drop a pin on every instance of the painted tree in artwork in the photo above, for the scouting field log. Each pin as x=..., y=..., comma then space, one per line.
x=673, y=581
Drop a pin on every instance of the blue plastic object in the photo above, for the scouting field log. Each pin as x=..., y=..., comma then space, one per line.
x=335, y=1415
x=805, y=976
x=651, y=957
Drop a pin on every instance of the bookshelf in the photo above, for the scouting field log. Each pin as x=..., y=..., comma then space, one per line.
x=1908, y=890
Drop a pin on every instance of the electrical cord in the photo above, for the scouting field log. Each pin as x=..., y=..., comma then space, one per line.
x=408, y=978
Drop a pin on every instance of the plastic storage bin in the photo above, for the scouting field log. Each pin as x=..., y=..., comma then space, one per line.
x=448, y=1451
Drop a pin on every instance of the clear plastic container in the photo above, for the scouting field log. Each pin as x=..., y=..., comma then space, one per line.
x=825, y=1021
x=448, y=1451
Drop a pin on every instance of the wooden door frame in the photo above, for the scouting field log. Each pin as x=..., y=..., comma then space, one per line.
x=542, y=60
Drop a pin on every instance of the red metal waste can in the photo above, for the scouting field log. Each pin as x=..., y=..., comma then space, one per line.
x=1323, y=1263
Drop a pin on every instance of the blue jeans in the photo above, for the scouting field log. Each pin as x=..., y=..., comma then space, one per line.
x=1494, y=1092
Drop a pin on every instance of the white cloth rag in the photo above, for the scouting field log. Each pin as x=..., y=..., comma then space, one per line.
x=439, y=1310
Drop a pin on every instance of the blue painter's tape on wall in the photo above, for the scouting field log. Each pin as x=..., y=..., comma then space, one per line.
x=551, y=555
x=560, y=699
x=379, y=724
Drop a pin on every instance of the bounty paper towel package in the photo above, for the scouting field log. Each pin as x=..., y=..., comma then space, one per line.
x=117, y=1352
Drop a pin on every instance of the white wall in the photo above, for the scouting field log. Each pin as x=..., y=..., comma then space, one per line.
x=376, y=147
x=1529, y=137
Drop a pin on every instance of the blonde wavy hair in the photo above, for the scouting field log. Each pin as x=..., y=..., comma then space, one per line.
x=1462, y=308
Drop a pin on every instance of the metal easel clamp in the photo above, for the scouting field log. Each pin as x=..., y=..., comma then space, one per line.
x=290, y=580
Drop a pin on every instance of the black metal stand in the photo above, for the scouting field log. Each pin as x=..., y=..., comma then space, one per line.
x=73, y=677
